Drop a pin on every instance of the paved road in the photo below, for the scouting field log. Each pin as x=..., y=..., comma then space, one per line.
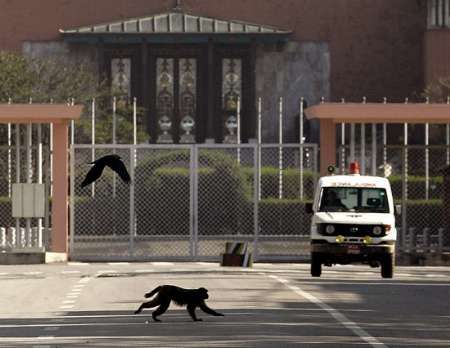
x=269, y=305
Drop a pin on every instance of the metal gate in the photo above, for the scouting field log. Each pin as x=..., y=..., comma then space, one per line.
x=186, y=201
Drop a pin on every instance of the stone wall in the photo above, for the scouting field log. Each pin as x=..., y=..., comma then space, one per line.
x=70, y=54
x=298, y=69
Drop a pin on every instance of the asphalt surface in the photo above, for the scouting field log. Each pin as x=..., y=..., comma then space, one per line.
x=268, y=305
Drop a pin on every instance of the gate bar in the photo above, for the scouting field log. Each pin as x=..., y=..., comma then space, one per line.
x=18, y=160
x=195, y=198
x=256, y=195
x=72, y=200
x=191, y=201
x=363, y=144
x=301, y=147
x=132, y=213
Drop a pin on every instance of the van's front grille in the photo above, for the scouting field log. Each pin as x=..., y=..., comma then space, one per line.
x=351, y=230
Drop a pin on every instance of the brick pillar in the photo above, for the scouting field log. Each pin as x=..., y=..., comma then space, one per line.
x=327, y=145
x=60, y=216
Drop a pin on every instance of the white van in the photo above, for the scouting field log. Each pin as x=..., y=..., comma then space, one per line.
x=353, y=222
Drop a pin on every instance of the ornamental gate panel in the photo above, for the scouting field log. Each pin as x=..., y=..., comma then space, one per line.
x=185, y=202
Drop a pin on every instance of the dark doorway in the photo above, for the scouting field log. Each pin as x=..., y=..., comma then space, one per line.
x=177, y=93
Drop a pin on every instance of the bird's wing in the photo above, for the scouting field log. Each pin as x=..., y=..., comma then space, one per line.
x=93, y=174
x=118, y=166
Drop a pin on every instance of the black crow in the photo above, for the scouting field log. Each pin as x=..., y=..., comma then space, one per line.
x=112, y=161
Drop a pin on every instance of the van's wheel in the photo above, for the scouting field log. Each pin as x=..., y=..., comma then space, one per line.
x=387, y=265
x=316, y=265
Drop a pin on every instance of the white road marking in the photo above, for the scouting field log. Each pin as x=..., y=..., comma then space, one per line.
x=2, y=274
x=76, y=290
x=78, y=263
x=373, y=283
x=45, y=337
x=68, y=301
x=162, y=263
x=341, y=318
x=118, y=263
x=70, y=272
x=32, y=273
x=66, y=307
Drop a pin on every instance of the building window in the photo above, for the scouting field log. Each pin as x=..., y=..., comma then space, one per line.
x=231, y=91
x=187, y=98
x=438, y=13
x=121, y=76
x=165, y=98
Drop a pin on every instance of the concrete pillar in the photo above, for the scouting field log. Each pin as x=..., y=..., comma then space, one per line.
x=327, y=145
x=60, y=217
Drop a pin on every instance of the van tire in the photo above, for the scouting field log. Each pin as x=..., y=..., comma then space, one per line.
x=387, y=265
x=316, y=265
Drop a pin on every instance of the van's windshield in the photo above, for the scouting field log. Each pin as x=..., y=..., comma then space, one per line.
x=354, y=199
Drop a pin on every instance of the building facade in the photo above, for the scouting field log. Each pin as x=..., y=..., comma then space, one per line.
x=190, y=63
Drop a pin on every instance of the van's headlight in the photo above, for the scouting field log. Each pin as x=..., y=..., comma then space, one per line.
x=330, y=229
x=377, y=231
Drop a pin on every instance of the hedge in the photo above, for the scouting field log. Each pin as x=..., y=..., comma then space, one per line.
x=416, y=186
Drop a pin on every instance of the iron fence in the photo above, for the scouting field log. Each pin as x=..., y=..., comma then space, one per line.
x=19, y=165
x=187, y=201
x=416, y=175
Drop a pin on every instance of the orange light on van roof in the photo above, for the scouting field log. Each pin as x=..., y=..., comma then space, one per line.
x=354, y=168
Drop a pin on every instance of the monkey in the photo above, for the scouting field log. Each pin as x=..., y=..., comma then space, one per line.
x=193, y=298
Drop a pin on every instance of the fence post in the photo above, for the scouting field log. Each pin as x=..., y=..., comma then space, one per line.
x=405, y=177
x=363, y=144
x=196, y=169
x=132, y=190
x=18, y=160
x=114, y=183
x=93, y=141
x=9, y=155
x=192, y=211
x=280, y=151
x=256, y=195
x=301, y=147
x=39, y=168
x=238, y=114
x=342, y=151
x=72, y=200
x=259, y=146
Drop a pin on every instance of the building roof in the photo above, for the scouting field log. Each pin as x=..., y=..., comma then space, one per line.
x=174, y=22
x=39, y=113
x=380, y=112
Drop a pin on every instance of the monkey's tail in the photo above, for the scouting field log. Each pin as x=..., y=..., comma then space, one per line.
x=151, y=293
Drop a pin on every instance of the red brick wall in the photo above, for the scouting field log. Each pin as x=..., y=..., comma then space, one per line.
x=437, y=54
x=375, y=46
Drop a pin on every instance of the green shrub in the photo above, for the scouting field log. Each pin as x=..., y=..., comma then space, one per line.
x=416, y=186
x=283, y=217
x=163, y=190
x=291, y=182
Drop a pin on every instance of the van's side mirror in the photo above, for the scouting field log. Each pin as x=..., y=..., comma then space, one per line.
x=308, y=208
x=398, y=209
